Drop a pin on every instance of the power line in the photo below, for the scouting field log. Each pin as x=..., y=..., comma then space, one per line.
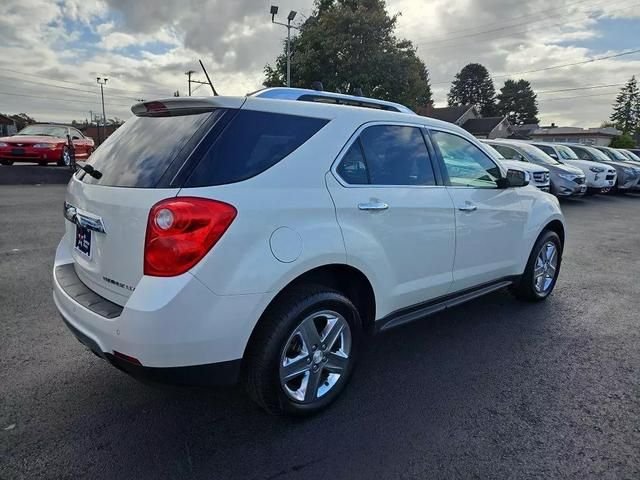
x=503, y=27
x=578, y=96
x=508, y=19
x=59, y=86
x=58, y=99
x=553, y=67
x=137, y=92
x=508, y=34
x=580, y=88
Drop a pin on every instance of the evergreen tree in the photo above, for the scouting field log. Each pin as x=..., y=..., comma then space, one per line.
x=350, y=44
x=626, y=110
x=473, y=86
x=517, y=101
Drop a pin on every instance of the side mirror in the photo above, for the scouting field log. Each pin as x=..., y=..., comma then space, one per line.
x=514, y=178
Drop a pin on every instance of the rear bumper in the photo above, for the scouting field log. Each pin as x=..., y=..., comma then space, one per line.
x=32, y=155
x=176, y=328
x=221, y=373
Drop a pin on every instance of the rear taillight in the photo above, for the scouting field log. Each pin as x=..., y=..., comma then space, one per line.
x=180, y=231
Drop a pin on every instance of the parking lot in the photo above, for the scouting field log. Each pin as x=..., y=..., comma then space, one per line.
x=492, y=389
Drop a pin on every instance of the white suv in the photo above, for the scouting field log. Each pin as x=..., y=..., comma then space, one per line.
x=260, y=239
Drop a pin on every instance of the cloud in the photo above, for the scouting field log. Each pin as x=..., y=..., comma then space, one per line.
x=144, y=47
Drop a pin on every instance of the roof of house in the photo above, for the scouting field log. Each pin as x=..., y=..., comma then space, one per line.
x=482, y=126
x=447, y=114
x=597, y=132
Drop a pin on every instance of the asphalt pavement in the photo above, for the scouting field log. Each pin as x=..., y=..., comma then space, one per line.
x=492, y=389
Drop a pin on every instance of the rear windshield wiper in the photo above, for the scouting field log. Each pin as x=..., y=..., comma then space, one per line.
x=97, y=174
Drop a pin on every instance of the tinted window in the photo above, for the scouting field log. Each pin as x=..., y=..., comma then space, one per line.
x=396, y=155
x=548, y=150
x=466, y=164
x=566, y=152
x=250, y=144
x=141, y=150
x=507, y=152
x=582, y=153
x=353, y=168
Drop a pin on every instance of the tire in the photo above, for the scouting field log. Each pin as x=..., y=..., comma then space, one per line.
x=66, y=159
x=529, y=287
x=282, y=344
x=6, y=162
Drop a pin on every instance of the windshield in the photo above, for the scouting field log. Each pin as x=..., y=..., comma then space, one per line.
x=44, y=130
x=495, y=152
x=566, y=153
x=617, y=155
x=537, y=155
x=600, y=155
x=632, y=155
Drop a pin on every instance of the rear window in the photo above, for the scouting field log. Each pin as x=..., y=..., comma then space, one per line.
x=250, y=144
x=138, y=153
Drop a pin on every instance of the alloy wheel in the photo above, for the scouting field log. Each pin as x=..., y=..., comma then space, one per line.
x=66, y=157
x=315, y=356
x=545, y=268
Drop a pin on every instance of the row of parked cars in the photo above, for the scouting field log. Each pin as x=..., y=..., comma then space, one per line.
x=568, y=169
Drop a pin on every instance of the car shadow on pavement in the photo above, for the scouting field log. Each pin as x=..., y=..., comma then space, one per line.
x=411, y=383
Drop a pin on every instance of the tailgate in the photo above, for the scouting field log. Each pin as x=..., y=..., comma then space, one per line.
x=110, y=262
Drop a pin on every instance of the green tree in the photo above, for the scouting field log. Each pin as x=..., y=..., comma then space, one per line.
x=517, y=101
x=626, y=109
x=350, y=44
x=623, y=141
x=473, y=86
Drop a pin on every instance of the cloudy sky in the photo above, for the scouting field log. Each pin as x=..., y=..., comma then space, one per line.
x=52, y=51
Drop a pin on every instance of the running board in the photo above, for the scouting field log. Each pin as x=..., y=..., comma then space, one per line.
x=410, y=314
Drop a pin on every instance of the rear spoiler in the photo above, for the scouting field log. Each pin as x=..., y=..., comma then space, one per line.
x=175, y=106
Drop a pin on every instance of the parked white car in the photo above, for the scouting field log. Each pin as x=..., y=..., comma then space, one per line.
x=538, y=174
x=254, y=238
x=600, y=177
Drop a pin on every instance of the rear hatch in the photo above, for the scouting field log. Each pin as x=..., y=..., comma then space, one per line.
x=143, y=162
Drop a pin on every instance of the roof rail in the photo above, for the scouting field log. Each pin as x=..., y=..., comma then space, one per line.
x=308, y=95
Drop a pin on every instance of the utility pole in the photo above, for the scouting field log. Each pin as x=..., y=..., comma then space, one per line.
x=290, y=17
x=188, y=74
x=102, y=82
x=208, y=82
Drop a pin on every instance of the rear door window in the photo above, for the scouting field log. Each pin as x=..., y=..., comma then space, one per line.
x=251, y=143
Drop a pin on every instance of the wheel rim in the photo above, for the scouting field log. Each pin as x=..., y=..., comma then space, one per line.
x=315, y=356
x=546, y=267
x=66, y=157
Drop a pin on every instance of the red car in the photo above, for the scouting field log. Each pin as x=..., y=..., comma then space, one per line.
x=43, y=144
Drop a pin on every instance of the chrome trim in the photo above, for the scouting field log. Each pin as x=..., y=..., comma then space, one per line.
x=83, y=219
x=373, y=206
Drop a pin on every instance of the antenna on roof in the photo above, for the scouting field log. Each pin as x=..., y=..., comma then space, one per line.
x=317, y=86
x=208, y=79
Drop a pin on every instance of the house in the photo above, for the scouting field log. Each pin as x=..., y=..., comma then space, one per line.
x=468, y=117
x=523, y=132
x=458, y=115
x=488, y=127
x=590, y=136
x=7, y=126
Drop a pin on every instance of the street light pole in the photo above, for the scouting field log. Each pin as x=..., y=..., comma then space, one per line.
x=290, y=17
x=102, y=82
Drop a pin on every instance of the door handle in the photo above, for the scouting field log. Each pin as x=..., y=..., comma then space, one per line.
x=468, y=207
x=373, y=206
